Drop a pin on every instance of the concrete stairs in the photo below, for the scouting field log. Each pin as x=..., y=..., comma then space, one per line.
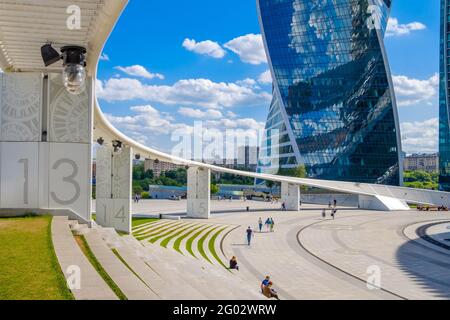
x=73, y=262
x=143, y=271
x=174, y=276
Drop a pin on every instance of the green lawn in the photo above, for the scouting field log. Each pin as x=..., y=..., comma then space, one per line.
x=29, y=267
x=200, y=244
x=136, y=222
x=212, y=247
x=177, y=243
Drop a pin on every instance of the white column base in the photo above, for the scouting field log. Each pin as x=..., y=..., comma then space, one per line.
x=382, y=203
x=290, y=195
x=198, y=193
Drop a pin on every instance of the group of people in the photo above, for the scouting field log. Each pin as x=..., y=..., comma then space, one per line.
x=137, y=197
x=230, y=198
x=266, y=284
x=332, y=207
x=428, y=208
x=270, y=224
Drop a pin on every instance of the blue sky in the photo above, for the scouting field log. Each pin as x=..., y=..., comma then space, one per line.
x=166, y=66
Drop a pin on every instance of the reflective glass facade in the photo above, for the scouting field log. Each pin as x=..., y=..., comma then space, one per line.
x=333, y=104
x=444, y=94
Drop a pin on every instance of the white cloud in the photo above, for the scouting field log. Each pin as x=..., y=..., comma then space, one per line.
x=208, y=47
x=265, y=77
x=249, y=83
x=231, y=115
x=199, y=114
x=193, y=92
x=146, y=120
x=411, y=92
x=104, y=57
x=395, y=28
x=140, y=71
x=420, y=137
x=152, y=127
x=249, y=48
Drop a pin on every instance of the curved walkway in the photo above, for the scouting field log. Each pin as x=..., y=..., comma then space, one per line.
x=311, y=258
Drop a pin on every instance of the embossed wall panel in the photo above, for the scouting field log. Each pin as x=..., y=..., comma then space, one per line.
x=19, y=174
x=69, y=119
x=103, y=209
x=113, y=189
x=20, y=107
x=121, y=169
x=69, y=178
x=198, y=193
x=103, y=170
x=120, y=218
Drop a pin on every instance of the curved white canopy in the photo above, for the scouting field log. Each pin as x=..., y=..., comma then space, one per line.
x=26, y=25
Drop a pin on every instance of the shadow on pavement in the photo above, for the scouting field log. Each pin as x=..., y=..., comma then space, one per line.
x=427, y=267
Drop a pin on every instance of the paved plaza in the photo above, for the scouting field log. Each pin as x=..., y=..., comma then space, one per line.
x=309, y=257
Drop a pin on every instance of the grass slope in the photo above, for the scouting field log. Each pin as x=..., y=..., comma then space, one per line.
x=29, y=267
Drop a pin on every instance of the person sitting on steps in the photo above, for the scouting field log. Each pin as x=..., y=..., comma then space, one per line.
x=234, y=264
x=265, y=283
x=269, y=292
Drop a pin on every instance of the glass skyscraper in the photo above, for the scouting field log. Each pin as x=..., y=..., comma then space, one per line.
x=333, y=107
x=444, y=94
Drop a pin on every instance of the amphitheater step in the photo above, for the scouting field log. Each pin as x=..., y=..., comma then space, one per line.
x=71, y=258
x=133, y=287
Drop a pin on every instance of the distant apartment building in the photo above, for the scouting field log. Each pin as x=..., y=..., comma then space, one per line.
x=424, y=162
x=159, y=166
x=248, y=157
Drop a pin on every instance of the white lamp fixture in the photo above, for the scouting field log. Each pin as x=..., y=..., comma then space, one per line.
x=74, y=62
x=74, y=73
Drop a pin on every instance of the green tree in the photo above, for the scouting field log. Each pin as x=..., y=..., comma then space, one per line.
x=214, y=189
x=137, y=189
x=421, y=180
x=298, y=172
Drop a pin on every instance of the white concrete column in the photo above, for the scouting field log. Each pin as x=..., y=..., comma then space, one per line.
x=113, y=191
x=198, y=193
x=45, y=142
x=382, y=203
x=290, y=195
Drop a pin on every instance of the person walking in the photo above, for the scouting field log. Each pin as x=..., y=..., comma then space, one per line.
x=324, y=213
x=272, y=224
x=335, y=203
x=267, y=223
x=283, y=206
x=333, y=212
x=260, y=224
x=249, y=235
